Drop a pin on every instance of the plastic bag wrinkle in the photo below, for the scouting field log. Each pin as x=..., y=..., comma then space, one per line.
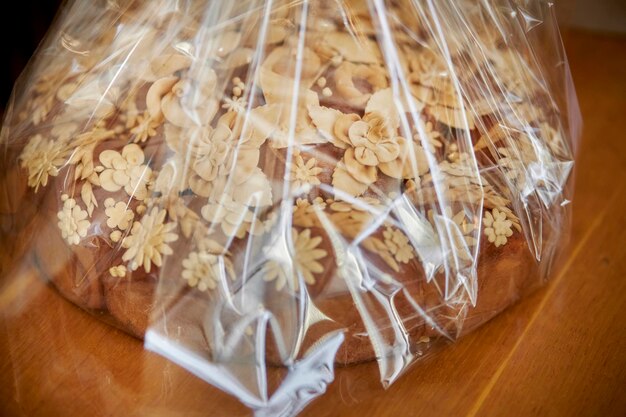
x=264, y=190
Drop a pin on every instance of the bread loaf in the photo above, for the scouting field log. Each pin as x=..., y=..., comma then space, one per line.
x=289, y=175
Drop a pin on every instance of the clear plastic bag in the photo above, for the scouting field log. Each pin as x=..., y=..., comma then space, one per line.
x=264, y=190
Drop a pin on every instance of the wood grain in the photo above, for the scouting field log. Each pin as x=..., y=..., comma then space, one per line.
x=560, y=352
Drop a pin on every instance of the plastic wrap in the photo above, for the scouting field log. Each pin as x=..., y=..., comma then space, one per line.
x=264, y=190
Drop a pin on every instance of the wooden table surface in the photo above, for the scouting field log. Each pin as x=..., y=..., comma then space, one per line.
x=560, y=352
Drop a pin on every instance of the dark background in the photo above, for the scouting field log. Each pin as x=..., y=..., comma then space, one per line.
x=29, y=21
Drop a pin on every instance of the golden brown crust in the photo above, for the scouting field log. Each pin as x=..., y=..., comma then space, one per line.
x=167, y=189
x=504, y=275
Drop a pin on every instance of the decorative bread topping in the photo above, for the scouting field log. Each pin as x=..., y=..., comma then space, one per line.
x=410, y=158
x=73, y=221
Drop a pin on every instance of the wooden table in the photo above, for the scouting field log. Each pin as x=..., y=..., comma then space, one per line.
x=561, y=352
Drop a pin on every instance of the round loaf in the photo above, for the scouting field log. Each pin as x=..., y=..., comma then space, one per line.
x=256, y=190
